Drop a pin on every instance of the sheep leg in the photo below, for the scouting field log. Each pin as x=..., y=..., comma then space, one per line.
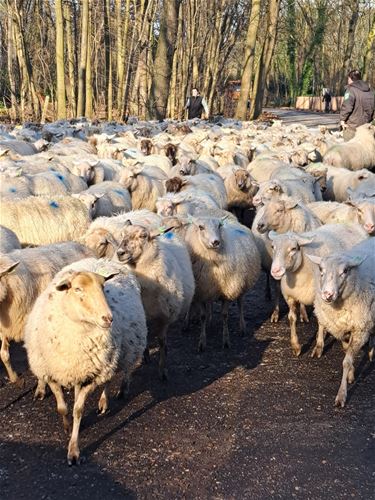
x=203, y=339
x=267, y=294
x=292, y=316
x=353, y=348
x=240, y=303
x=5, y=358
x=319, y=346
x=40, y=390
x=303, y=317
x=124, y=387
x=276, y=311
x=103, y=401
x=224, y=315
x=371, y=348
x=80, y=395
x=162, y=339
x=62, y=409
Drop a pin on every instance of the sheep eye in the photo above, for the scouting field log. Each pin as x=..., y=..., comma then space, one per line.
x=201, y=228
x=345, y=270
x=78, y=290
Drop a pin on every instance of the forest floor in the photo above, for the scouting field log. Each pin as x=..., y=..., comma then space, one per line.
x=250, y=422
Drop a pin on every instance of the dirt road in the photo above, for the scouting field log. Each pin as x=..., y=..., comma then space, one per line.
x=308, y=118
x=249, y=422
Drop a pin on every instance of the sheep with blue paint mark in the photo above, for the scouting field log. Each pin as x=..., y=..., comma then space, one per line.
x=45, y=220
x=112, y=198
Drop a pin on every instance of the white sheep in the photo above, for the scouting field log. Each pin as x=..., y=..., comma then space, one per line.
x=356, y=154
x=275, y=189
x=344, y=302
x=163, y=268
x=112, y=198
x=23, y=276
x=40, y=221
x=240, y=186
x=226, y=264
x=296, y=272
x=104, y=233
x=88, y=324
x=212, y=184
x=8, y=240
x=144, y=186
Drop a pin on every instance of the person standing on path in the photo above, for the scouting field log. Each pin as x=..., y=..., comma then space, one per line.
x=196, y=104
x=327, y=100
x=358, y=105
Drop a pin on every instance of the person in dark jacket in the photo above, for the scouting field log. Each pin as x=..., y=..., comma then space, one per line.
x=327, y=100
x=358, y=105
x=196, y=104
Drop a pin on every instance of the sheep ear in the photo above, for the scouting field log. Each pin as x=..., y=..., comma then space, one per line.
x=357, y=260
x=7, y=268
x=128, y=223
x=222, y=220
x=64, y=284
x=98, y=196
x=314, y=258
x=305, y=240
x=3, y=152
x=290, y=204
x=272, y=235
x=93, y=163
x=350, y=202
x=107, y=274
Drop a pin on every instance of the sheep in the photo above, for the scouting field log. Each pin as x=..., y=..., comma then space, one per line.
x=184, y=203
x=290, y=266
x=18, y=147
x=366, y=189
x=281, y=216
x=274, y=189
x=344, y=302
x=144, y=187
x=112, y=199
x=226, y=264
x=361, y=211
x=239, y=185
x=356, y=154
x=211, y=183
x=88, y=324
x=262, y=168
x=339, y=180
x=14, y=186
x=40, y=221
x=70, y=146
x=8, y=240
x=23, y=275
x=163, y=268
x=187, y=166
x=104, y=233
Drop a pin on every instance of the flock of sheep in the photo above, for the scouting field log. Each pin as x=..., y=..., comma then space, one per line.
x=111, y=233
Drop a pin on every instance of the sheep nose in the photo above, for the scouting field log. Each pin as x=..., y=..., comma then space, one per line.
x=107, y=319
x=370, y=227
x=260, y=226
x=215, y=243
x=327, y=296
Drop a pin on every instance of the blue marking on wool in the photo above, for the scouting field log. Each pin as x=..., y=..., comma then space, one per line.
x=118, y=191
x=59, y=176
x=13, y=190
x=53, y=204
x=168, y=235
x=240, y=231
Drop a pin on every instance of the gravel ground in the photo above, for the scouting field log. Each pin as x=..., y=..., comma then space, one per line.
x=249, y=422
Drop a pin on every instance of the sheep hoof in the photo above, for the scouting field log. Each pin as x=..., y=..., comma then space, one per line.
x=20, y=382
x=39, y=395
x=296, y=350
x=317, y=352
x=340, y=400
x=275, y=317
x=75, y=459
x=304, y=319
x=371, y=354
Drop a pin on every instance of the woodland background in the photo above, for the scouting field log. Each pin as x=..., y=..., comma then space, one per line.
x=113, y=58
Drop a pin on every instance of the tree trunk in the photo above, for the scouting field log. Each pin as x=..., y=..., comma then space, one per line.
x=88, y=101
x=248, y=67
x=265, y=59
x=291, y=48
x=157, y=105
x=354, y=7
x=108, y=57
x=83, y=58
x=369, y=52
x=70, y=53
x=11, y=68
x=60, y=74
